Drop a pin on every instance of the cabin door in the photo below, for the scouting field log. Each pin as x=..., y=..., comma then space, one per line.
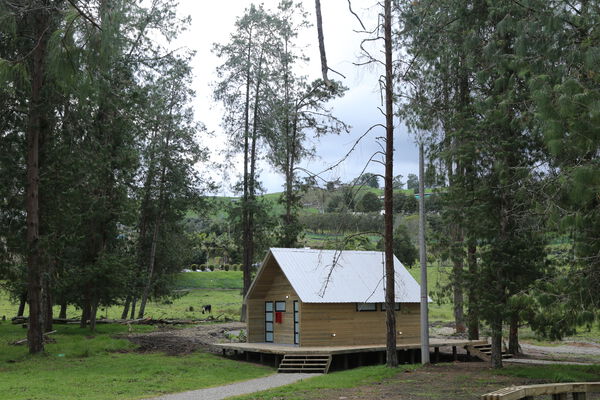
x=269, y=321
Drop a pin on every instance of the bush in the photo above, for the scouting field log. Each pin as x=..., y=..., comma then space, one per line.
x=211, y=267
x=194, y=267
x=203, y=267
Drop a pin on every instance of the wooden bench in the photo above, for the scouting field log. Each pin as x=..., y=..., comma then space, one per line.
x=558, y=391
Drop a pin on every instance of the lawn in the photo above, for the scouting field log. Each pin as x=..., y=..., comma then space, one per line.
x=437, y=381
x=210, y=280
x=81, y=365
x=437, y=277
x=220, y=289
x=333, y=381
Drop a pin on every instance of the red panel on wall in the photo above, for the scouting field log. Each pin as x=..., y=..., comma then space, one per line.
x=278, y=317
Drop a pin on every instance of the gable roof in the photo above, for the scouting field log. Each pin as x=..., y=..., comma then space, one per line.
x=333, y=276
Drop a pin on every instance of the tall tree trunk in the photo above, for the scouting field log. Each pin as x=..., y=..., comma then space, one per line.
x=150, y=271
x=473, y=300
x=93, y=314
x=390, y=293
x=246, y=259
x=513, y=333
x=496, y=326
x=22, y=303
x=457, y=294
x=158, y=221
x=63, y=310
x=48, y=312
x=133, y=304
x=86, y=312
x=126, y=308
x=36, y=125
x=320, y=37
x=424, y=306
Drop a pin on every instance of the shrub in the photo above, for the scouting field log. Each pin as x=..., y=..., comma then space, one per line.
x=211, y=267
x=226, y=267
x=194, y=267
x=203, y=267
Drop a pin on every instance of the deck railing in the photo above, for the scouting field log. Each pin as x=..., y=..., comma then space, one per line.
x=558, y=391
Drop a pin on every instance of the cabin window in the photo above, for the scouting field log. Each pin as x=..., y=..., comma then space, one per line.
x=269, y=321
x=280, y=306
x=396, y=307
x=366, y=306
x=296, y=323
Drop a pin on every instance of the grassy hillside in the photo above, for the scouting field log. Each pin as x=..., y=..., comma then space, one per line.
x=210, y=280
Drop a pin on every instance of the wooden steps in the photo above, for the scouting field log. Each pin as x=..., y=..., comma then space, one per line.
x=484, y=351
x=310, y=363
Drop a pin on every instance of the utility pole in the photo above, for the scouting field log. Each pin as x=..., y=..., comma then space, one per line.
x=422, y=254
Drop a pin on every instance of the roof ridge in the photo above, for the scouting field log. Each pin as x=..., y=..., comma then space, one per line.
x=309, y=250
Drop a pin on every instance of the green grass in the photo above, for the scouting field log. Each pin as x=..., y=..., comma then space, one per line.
x=81, y=365
x=336, y=380
x=554, y=373
x=226, y=303
x=221, y=289
x=437, y=277
x=210, y=280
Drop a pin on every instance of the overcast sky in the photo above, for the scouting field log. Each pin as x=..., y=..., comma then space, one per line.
x=213, y=21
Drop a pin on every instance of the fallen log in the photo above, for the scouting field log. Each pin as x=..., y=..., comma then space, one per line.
x=22, y=341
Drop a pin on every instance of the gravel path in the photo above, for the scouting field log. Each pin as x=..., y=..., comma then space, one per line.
x=236, y=389
x=567, y=348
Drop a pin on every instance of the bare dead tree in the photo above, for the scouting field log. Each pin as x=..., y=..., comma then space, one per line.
x=321, y=40
x=390, y=293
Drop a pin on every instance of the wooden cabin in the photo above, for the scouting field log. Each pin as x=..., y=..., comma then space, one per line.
x=309, y=297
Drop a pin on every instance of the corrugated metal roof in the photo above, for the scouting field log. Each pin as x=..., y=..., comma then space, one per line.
x=332, y=276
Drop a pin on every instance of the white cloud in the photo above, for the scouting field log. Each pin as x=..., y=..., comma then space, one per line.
x=214, y=21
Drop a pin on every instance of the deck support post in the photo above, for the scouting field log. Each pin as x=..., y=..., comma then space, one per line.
x=437, y=354
x=277, y=361
x=345, y=361
x=579, y=396
x=559, y=396
x=412, y=356
x=262, y=358
x=247, y=353
x=454, y=353
x=381, y=355
x=224, y=352
x=360, y=359
x=468, y=355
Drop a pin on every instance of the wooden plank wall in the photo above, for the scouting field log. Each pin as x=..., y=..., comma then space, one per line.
x=272, y=286
x=319, y=321
x=255, y=317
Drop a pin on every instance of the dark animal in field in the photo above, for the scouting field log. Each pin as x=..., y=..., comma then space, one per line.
x=207, y=308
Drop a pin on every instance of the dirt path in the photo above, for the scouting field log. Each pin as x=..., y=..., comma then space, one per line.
x=175, y=341
x=570, y=351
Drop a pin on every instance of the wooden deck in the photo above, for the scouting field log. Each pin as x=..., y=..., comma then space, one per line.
x=287, y=349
